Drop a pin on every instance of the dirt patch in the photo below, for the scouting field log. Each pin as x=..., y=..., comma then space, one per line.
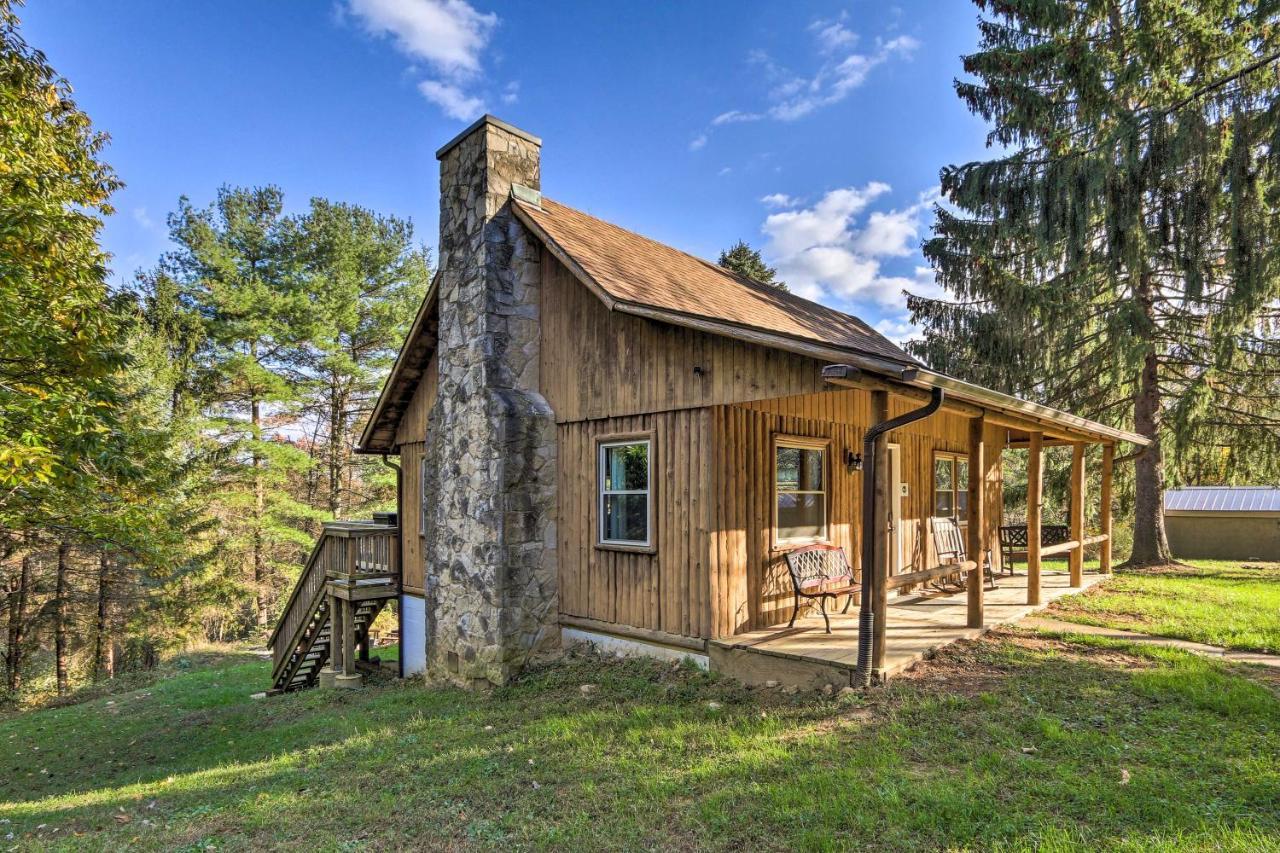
x=968, y=668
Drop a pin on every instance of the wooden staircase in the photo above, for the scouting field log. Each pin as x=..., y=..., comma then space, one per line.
x=354, y=569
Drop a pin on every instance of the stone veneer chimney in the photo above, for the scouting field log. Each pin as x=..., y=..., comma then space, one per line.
x=491, y=562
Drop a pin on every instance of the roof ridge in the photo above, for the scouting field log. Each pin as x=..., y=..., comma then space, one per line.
x=763, y=289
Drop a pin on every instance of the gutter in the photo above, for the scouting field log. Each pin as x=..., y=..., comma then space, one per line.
x=870, y=577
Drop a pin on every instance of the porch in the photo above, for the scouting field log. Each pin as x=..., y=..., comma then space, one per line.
x=916, y=625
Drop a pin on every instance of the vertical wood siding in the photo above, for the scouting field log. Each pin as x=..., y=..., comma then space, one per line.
x=749, y=575
x=413, y=425
x=599, y=364
x=413, y=566
x=666, y=590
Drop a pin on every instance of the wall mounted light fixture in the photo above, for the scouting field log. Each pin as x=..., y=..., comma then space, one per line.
x=852, y=461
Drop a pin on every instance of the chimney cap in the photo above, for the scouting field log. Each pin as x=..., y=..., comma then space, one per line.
x=487, y=118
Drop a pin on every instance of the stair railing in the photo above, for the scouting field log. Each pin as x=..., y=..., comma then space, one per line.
x=356, y=553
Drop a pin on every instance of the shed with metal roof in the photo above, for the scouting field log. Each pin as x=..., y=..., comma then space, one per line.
x=1224, y=522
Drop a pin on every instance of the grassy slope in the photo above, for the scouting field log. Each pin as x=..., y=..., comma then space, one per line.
x=647, y=761
x=1225, y=603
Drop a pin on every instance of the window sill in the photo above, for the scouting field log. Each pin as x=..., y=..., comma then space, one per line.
x=783, y=547
x=626, y=549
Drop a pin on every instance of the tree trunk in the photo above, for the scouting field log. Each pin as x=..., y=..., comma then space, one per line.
x=60, y=619
x=18, y=624
x=336, y=444
x=259, y=512
x=103, y=654
x=1150, y=543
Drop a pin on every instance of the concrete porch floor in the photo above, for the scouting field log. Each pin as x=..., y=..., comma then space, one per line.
x=809, y=657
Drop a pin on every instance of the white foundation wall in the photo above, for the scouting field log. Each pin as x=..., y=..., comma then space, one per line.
x=625, y=647
x=413, y=634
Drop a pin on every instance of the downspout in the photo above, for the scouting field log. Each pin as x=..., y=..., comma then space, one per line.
x=399, y=555
x=866, y=613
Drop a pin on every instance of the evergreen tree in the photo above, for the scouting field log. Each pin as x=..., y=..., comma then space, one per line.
x=746, y=262
x=1120, y=260
x=366, y=278
x=238, y=273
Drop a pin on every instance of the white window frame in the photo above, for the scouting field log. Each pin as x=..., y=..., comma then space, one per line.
x=954, y=458
x=803, y=443
x=602, y=446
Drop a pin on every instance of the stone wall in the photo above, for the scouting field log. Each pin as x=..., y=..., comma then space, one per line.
x=491, y=560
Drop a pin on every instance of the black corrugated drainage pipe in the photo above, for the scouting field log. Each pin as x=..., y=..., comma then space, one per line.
x=866, y=613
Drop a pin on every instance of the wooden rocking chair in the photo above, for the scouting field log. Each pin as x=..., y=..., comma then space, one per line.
x=948, y=542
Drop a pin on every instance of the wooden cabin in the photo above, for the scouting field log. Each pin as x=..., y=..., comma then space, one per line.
x=604, y=439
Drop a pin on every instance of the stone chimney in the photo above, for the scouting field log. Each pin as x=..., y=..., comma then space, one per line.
x=491, y=567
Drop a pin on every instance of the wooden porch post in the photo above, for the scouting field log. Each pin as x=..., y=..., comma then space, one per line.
x=1077, y=514
x=335, y=632
x=975, y=548
x=1108, y=468
x=348, y=677
x=1035, y=499
x=880, y=542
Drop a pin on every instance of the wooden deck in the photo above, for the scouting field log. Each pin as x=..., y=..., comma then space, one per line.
x=808, y=657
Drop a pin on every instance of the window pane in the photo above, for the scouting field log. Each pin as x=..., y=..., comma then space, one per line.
x=942, y=474
x=626, y=467
x=811, y=470
x=962, y=505
x=787, y=469
x=962, y=473
x=799, y=469
x=626, y=518
x=942, y=505
x=802, y=516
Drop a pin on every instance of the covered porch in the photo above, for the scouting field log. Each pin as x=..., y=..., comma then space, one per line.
x=928, y=554
x=915, y=626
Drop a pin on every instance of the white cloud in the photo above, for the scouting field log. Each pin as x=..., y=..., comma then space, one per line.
x=724, y=171
x=734, y=117
x=833, y=35
x=826, y=223
x=449, y=36
x=778, y=200
x=792, y=96
x=511, y=92
x=144, y=220
x=825, y=251
x=697, y=142
x=453, y=101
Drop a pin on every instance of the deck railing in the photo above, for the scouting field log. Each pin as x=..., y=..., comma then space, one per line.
x=360, y=553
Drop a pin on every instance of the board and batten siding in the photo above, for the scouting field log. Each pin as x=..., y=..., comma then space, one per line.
x=596, y=363
x=411, y=442
x=666, y=590
x=750, y=587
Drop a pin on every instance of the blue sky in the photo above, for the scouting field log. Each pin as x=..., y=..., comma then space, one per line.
x=815, y=131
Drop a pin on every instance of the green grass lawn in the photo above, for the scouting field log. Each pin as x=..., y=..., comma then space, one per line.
x=1224, y=603
x=1015, y=742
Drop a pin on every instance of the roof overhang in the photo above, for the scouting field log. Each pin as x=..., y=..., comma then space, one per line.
x=379, y=432
x=902, y=374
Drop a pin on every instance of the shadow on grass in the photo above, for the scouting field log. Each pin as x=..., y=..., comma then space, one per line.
x=1067, y=744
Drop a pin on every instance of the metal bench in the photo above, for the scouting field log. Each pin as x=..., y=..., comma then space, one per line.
x=1013, y=540
x=821, y=572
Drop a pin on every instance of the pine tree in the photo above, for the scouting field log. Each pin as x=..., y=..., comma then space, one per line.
x=747, y=262
x=238, y=272
x=367, y=278
x=1120, y=260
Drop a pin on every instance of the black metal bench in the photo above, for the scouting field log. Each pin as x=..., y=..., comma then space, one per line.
x=821, y=572
x=1014, y=540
